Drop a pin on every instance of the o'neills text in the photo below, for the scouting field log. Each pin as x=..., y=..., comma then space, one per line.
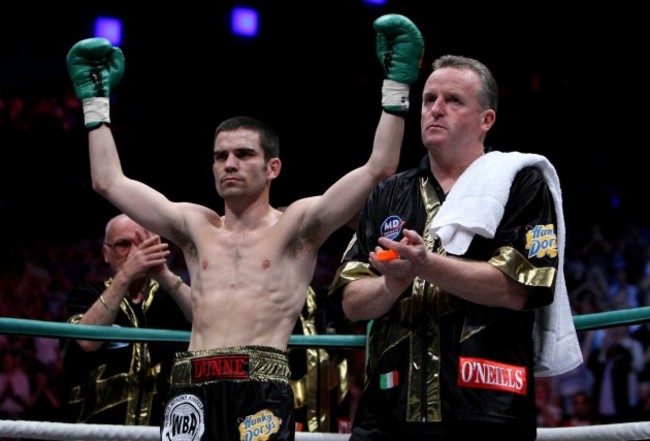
x=488, y=374
x=220, y=367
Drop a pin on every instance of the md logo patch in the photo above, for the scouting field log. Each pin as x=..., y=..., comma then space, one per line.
x=184, y=420
x=391, y=227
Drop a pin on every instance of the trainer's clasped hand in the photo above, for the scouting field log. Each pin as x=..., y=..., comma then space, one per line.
x=147, y=258
x=399, y=273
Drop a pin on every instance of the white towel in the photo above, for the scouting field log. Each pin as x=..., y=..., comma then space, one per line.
x=471, y=209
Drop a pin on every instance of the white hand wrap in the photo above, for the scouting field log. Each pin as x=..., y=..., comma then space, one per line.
x=395, y=96
x=96, y=110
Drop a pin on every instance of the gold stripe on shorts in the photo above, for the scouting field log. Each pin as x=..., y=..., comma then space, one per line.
x=233, y=363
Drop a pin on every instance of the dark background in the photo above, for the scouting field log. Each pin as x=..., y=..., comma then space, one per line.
x=573, y=87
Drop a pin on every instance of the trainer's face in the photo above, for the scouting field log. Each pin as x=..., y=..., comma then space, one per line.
x=239, y=167
x=451, y=113
x=123, y=236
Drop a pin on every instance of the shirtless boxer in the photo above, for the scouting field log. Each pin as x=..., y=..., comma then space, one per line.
x=250, y=267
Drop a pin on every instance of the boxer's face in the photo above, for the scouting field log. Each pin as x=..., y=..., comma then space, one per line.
x=239, y=166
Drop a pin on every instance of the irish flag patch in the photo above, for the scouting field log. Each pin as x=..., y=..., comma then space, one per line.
x=389, y=380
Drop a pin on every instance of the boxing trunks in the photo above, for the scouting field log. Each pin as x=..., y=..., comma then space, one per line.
x=228, y=394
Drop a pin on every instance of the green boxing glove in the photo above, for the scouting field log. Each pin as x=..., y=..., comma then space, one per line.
x=400, y=49
x=95, y=67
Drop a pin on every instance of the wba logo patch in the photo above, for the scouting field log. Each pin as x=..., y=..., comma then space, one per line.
x=184, y=420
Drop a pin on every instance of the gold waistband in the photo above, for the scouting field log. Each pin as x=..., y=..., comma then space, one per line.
x=262, y=363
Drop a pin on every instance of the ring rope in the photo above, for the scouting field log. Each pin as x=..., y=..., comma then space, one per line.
x=609, y=319
x=106, y=432
x=115, y=432
x=17, y=326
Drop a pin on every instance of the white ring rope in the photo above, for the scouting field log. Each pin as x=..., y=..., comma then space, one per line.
x=601, y=432
x=106, y=432
x=110, y=432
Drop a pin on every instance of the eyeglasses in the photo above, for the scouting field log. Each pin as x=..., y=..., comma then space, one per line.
x=121, y=246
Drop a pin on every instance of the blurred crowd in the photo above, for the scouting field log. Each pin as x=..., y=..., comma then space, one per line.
x=607, y=269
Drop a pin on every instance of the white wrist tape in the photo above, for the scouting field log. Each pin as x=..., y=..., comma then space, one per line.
x=395, y=96
x=96, y=109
